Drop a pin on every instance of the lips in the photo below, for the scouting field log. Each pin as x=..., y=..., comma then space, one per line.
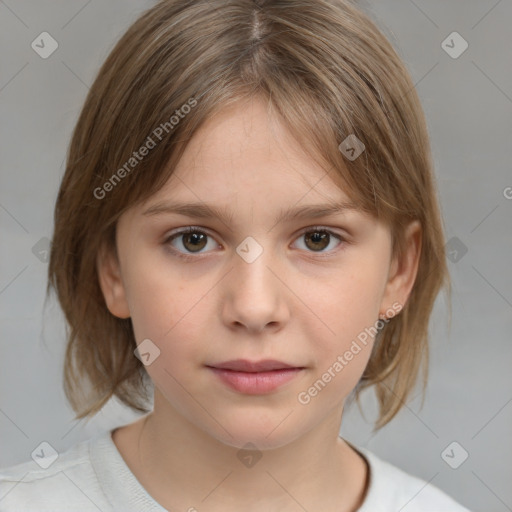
x=244, y=365
x=255, y=377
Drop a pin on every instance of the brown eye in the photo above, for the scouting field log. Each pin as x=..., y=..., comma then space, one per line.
x=189, y=241
x=194, y=241
x=318, y=240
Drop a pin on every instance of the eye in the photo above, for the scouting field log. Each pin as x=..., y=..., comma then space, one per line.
x=317, y=239
x=192, y=239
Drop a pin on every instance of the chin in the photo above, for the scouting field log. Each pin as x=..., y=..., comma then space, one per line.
x=265, y=434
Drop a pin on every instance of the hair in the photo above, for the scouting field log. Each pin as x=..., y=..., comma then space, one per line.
x=327, y=70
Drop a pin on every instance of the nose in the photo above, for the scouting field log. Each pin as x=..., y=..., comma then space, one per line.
x=255, y=298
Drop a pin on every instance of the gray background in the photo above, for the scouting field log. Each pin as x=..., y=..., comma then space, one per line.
x=468, y=104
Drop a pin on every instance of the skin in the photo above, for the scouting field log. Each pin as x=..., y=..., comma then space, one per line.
x=290, y=304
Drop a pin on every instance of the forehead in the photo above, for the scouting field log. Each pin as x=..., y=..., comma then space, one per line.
x=244, y=157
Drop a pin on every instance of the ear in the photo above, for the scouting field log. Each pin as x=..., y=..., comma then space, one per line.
x=403, y=271
x=111, y=283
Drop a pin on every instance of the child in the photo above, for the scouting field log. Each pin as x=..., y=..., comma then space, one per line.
x=247, y=228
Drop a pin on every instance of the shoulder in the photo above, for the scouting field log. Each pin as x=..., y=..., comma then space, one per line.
x=391, y=488
x=65, y=483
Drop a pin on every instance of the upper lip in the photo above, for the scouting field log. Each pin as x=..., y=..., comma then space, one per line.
x=244, y=365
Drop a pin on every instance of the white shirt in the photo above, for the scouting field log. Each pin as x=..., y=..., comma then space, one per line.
x=93, y=476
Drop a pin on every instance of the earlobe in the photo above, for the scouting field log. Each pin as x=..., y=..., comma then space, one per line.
x=403, y=271
x=111, y=283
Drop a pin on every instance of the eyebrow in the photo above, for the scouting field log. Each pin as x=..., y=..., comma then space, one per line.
x=203, y=210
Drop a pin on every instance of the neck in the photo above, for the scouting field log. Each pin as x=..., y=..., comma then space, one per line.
x=184, y=468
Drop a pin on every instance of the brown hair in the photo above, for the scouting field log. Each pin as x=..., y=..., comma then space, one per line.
x=329, y=72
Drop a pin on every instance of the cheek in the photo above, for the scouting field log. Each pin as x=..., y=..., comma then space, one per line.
x=342, y=352
x=346, y=307
x=161, y=302
x=172, y=315
x=350, y=299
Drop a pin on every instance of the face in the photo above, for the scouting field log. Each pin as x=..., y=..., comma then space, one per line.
x=252, y=284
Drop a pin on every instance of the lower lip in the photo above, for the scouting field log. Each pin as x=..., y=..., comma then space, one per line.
x=256, y=383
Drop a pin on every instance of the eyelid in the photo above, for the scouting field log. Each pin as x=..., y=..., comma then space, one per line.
x=187, y=229
x=320, y=228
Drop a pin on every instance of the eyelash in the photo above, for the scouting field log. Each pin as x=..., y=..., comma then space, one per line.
x=194, y=229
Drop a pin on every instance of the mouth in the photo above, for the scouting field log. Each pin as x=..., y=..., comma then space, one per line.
x=244, y=365
x=255, y=377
